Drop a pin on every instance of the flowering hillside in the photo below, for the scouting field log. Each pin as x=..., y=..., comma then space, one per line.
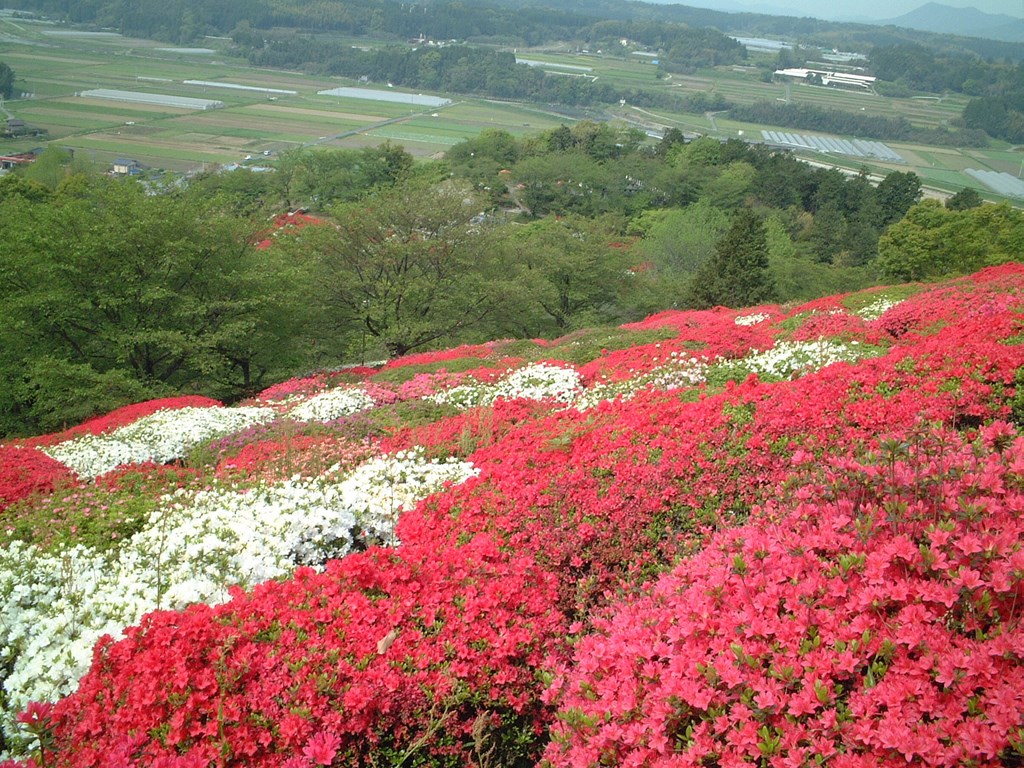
x=781, y=536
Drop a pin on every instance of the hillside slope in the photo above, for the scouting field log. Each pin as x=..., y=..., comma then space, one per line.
x=774, y=536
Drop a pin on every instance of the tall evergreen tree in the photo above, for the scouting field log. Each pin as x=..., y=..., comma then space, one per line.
x=896, y=193
x=6, y=81
x=737, y=274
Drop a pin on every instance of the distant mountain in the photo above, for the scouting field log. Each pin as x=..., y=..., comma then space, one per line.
x=970, y=22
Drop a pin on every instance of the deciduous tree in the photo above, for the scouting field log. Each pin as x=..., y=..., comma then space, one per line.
x=572, y=272
x=968, y=197
x=407, y=267
x=111, y=290
x=896, y=193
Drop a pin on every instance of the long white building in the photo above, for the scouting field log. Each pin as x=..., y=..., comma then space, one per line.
x=828, y=77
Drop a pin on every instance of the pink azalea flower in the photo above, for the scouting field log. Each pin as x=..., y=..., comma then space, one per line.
x=322, y=748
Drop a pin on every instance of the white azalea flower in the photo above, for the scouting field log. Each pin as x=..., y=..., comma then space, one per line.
x=878, y=307
x=678, y=373
x=161, y=437
x=54, y=607
x=332, y=404
x=540, y=381
x=789, y=358
x=752, y=319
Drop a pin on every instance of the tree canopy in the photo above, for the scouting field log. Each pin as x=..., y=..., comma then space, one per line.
x=112, y=294
x=934, y=241
x=6, y=81
x=737, y=274
x=115, y=292
x=406, y=269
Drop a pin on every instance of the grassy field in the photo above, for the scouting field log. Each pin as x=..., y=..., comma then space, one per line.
x=54, y=68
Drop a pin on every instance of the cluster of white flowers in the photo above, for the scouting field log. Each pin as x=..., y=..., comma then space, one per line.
x=752, y=319
x=877, y=308
x=53, y=608
x=332, y=404
x=678, y=373
x=463, y=396
x=196, y=545
x=539, y=381
x=789, y=358
x=161, y=437
x=381, y=488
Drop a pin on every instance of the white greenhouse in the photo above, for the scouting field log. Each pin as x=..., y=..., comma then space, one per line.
x=159, y=99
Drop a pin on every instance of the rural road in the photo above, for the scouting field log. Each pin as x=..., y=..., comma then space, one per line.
x=375, y=126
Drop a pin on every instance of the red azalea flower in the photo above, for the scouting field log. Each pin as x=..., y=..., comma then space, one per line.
x=322, y=748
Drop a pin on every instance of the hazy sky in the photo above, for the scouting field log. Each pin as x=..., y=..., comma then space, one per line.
x=854, y=9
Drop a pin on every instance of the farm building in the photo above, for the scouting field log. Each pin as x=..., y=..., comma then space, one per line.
x=125, y=167
x=825, y=77
x=10, y=161
x=159, y=99
x=17, y=127
x=237, y=87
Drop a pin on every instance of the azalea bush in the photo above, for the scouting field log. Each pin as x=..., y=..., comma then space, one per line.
x=192, y=546
x=420, y=655
x=100, y=515
x=161, y=436
x=870, y=616
x=777, y=535
x=332, y=404
x=124, y=416
x=540, y=381
x=25, y=470
x=307, y=455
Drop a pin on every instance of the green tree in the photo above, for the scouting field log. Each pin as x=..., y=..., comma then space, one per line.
x=731, y=187
x=827, y=231
x=985, y=236
x=798, y=277
x=677, y=241
x=13, y=186
x=483, y=159
x=320, y=178
x=407, y=267
x=966, y=198
x=242, y=191
x=571, y=272
x=564, y=182
x=737, y=275
x=51, y=167
x=6, y=81
x=896, y=193
x=673, y=137
x=934, y=241
x=912, y=248
x=129, y=293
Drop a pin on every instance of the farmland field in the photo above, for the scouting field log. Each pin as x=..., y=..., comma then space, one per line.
x=53, y=68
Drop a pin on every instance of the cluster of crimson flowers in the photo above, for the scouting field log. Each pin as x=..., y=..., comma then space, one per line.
x=25, y=470
x=828, y=569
